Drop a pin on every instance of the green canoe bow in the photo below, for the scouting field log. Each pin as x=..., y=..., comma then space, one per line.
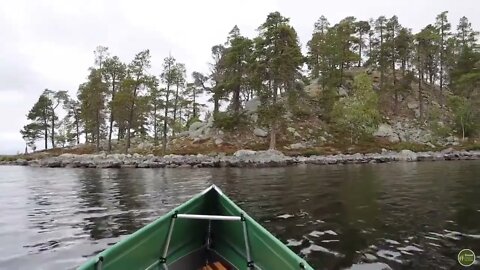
x=207, y=228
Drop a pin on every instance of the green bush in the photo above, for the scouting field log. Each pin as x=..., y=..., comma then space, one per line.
x=472, y=146
x=8, y=158
x=229, y=122
x=270, y=113
x=357, y=114
x=301, y=112
x=192, y=120
x=327, y=100
x=465, y=115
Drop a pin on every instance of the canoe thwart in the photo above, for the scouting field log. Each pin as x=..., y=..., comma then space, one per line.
x=209, y=217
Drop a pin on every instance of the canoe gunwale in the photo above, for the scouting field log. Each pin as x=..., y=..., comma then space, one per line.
x=173, y=253
x=302, y=264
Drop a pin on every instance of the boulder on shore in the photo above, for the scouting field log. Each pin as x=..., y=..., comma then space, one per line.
x=260, y=132
x=241, y=158
x=386, y=131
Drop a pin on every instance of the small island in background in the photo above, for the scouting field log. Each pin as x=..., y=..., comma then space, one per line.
x=365, y=91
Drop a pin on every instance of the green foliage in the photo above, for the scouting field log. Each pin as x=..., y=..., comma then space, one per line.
x=301, y=111
x=471, y=146
x=328, y=97
x=278, y=56
x=192, y=120
x=331, y=50
x=43, y=117
x=229, y=122
x=436, y=123
x=466, y=116
x=358, y=115
x=235, y=65
x=91, y=95
x=31, y=133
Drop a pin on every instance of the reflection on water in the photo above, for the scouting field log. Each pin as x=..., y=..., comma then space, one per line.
x=404, y=215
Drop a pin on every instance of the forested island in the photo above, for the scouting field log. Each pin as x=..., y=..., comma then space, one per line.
x=370, y=86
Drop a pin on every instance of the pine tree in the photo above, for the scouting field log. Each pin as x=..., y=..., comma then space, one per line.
x=236, y=61
x=168, y=78
x=363, y=28
x=31, y=133
x=72, y=119
x=91, y=95
x=391, y=39
x=380, y=27
x=40, y=117
x=466, y=36
x=114, y=71
x=280, y=58
x=193, y=91
x=56, y=98
x=443, y=27
x=137, y=76
x=180, y=80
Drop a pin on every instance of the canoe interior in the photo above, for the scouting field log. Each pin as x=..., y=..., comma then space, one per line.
x=188, y=245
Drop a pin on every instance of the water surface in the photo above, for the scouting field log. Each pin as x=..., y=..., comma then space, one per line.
x=405, y=215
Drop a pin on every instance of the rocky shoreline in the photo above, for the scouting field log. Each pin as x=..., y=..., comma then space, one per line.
x=241, y=158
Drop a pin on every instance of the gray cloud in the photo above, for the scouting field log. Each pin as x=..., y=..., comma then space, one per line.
x=49, y=44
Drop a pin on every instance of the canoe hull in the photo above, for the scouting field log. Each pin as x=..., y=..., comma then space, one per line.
x=194, y=241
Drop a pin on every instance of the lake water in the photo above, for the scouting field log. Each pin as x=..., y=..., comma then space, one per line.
x=404, y=215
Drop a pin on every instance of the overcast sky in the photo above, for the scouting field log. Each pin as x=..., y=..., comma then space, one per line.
x=49, y=44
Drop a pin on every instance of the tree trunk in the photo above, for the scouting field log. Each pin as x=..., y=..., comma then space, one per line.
x=420, y=97
x=119, y=134
x=155, y=123
x=46, y=138
x=236, y=100
x=382, y=67
x=394, y=81
x=273, y=129
x=164, y=139
x=442, y=36
x=110, y=128
x=273, y=135
x=175, y=105
x=77, y=129
x=98, y=131
x=130, y=118
x=180, y=122
x=216, y=104
x=194, y=103
x=53, y=131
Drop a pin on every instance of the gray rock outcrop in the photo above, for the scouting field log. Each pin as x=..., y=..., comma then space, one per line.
x=260, y=132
